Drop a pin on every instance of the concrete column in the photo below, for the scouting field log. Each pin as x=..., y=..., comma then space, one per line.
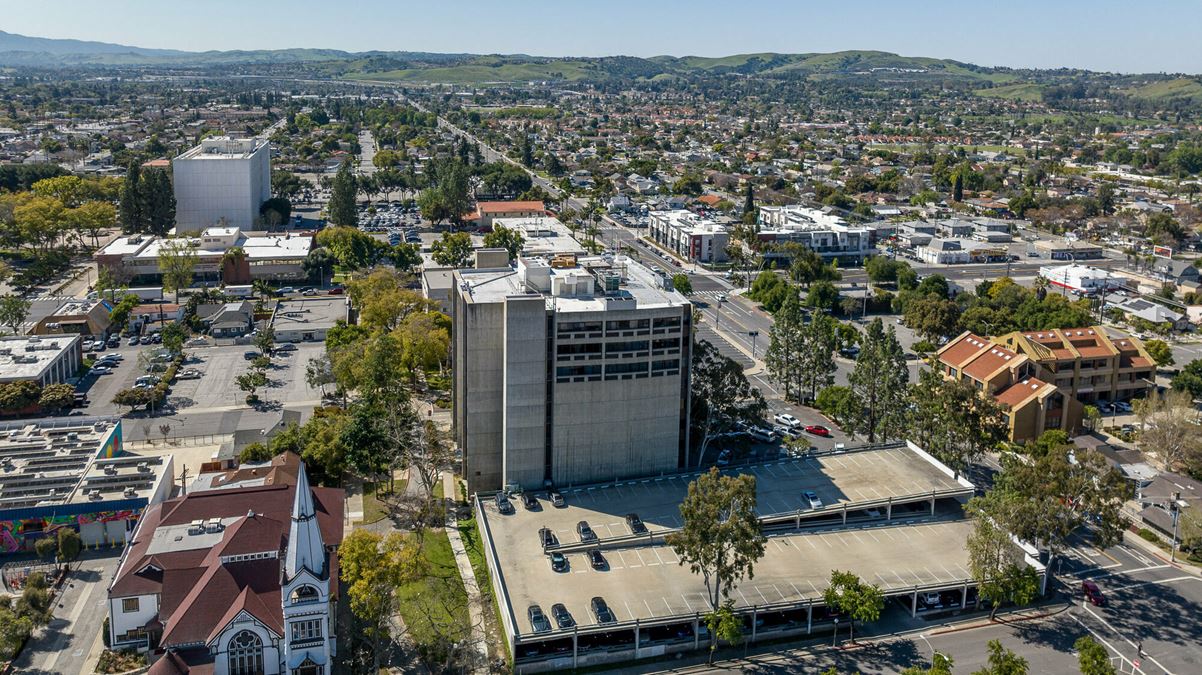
x=914, y=604
x=845, y=514
x=964, y=596
x=575, y=646
x=754, y=613
x=932, y=502
x=798, y=518
x=636, y=639
x=696, y=631
x=889, y=509
x=810, y=618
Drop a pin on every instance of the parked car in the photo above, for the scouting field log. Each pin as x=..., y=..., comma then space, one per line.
x=810, y=497
x=596, y=560
x=762, y=434
x=337, y=290
x=1092, y=593
x=189, y=374
x=309, y=292
x=539, y=622
x=635, y=524
x=562, y=617
x=286, y=347
x=100, y=370
x=503, y=503
x=133, y=341
x=114, y=341
x=818, y=430
x=557, y=500
x=785, y=419
x=250, y=355
x=723, y=457
x=156, y=338
x=529, y=502
x=601, y=611
x=287, y=290
x=145, y=340
x=559, y=562
x=585, y=532
x=782, y=431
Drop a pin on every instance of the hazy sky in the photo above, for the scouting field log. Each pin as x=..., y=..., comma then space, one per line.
x=1125, y=36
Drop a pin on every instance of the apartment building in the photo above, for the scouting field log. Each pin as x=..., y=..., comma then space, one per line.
x=222, y=181
x=1044, y=379
x=689, y=235
x=827, y=235
x=569, y=370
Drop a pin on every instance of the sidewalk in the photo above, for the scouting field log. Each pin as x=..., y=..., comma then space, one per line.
x=1134, y=540
x=474, y=607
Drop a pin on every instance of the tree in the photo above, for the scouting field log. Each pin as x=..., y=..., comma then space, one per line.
x=46, y=548
x=35, y=602
x=384, y=301
x=177, y=260
x=941, y=664
x=682, y=283
x=879, y=382
x=15, y=629
x=373, y=567
x=13, y=311
x=286, y=184
x=121, y=311
x=133, y=207
x=720, y=538
x=1061, y=492
x=275, y=212
x=506, y=238
x=785, y=343
x=134, y=398
x=255, y=453
x=69, y=545
x=724, y=626
x=958, y=188
x=433, y=206
x=16, y=396
x=933, y=317
x=250, y=382
x=1092, y=657
x=1160, y=352
x=995, y=561
x=454, y=249
x=1002, y=661
x=158, y=199
x=953, y=420
x=770, y=290
x=749, y=200
x=822, y=294
x=57, y=397
x=1171, y=430
x=352, y=248
x=343, y=210
x=1189, y=379
x=721, y=395
x=848, y=594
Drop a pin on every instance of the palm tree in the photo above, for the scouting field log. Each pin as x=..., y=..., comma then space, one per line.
x=263, y=288
x=232, y=260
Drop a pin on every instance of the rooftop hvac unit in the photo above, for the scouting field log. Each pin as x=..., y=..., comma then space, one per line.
x=213, y=525
x=143, y=467
x=72, y=436
x=131, y=492
x=196, y=527
x=110, y=470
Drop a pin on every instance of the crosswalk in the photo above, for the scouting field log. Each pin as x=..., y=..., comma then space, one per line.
x=714, y=294
x=707, y=333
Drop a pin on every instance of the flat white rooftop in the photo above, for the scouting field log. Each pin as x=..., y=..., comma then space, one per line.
x=26, y=358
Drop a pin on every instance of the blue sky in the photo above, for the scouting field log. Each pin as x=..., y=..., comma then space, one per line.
x=1145, y=36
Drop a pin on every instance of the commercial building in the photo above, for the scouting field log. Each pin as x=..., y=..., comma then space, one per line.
x=487, y=212
x=1060, y=249
x=891, y=514
x=1044, y=379
x=78, y=317
x=45, y=359
x=222, y=181
x=238, y=580
x=826, y=234
x=542, y=235
x=57, y=473
x=272, y=257
x=689, y=235
x=569, y=370
x=1080, y=279
x=309, y=319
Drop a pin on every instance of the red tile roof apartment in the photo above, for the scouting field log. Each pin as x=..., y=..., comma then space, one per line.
x=1044, y=379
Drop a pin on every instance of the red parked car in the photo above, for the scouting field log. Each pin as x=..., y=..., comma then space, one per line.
x=1093, y=594
x=818, y=430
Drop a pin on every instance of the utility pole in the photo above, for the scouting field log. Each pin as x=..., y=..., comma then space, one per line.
x=183, y=481
x=1175, y=510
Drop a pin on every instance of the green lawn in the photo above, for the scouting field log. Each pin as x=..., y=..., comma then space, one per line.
x=435, y=607
x=375, y=506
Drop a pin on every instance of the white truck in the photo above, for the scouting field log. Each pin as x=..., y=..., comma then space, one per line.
x=239, y=291
x=145, y=294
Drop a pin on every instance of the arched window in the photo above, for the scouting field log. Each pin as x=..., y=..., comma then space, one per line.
x=246, y=654
x=304, y=594
x=307, y=667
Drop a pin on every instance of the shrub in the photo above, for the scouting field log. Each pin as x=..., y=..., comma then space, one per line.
x=925, y=347
x=1148, y=535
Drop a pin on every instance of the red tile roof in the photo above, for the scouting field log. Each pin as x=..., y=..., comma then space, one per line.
x=988, y=361
x=1018, y=393
x=958, y=351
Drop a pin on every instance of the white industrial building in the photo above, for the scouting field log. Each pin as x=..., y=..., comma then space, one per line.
x=541, y=235
x=221, y=181
x=271, y=257
x=45, y=359
x=569, y=370
x=1081, y=279
x=689, y=235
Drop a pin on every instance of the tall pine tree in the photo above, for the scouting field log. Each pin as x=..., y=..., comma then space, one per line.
x=159, y=201
x=878, y=382
x=785, y=345
x=342, y=208
x=133, y=206
x=817, y=356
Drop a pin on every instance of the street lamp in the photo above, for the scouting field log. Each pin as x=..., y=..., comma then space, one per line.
x=1175, y=507
x=753, y=334
x=835, y=635
x=718, y=312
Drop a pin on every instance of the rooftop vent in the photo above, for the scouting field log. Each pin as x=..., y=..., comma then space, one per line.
x=196, y=527
x=131, y=491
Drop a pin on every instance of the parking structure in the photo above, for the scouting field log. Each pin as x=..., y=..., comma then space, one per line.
x=891, y=514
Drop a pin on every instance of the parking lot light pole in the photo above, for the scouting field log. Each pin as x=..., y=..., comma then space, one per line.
x=1175, y=510
x=835, y=635
x=753, y=334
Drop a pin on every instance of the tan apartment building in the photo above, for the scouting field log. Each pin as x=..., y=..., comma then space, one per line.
x=1044, y=379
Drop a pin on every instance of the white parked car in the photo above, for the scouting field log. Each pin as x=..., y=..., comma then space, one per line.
x=787, y=420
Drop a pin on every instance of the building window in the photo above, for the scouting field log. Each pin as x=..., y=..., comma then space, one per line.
x=246, y=654
x=306, y=630
x=304, y=594
x=129, y=605
x=307, y=667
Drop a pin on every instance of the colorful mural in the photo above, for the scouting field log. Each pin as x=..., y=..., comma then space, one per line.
x=13, y=532
x=112, y=445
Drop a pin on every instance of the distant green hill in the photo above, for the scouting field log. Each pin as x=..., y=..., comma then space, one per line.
x=1182, y=88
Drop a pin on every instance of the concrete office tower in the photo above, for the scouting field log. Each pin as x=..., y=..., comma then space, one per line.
x=569, y=370
x=222, y=178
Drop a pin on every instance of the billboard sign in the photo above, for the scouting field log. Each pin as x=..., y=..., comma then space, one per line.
x=1162, y=252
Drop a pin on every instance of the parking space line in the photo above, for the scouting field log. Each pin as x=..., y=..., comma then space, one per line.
x=629, y=614
x=666, y=604
x=796, y=590
x=650, y=612
x=686, y=602
x=745, y=603
x=762, y=596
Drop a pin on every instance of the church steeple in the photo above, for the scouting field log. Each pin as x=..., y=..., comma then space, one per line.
x=305, y=548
